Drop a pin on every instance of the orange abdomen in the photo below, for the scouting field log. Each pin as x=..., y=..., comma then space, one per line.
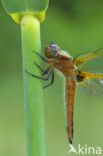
x=69, y=96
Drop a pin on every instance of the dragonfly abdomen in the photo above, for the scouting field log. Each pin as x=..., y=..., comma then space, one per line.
x=70, y=94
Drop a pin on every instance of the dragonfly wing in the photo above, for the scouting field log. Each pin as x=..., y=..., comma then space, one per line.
x=91, y=83
x=92, y=62
x=69, y=96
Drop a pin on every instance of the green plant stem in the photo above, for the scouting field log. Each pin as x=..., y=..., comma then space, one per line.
x=33, y=98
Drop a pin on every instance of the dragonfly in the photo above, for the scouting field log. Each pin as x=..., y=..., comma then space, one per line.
x=76, y=71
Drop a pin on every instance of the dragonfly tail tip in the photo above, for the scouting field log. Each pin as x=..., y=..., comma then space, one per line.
x=70, y=141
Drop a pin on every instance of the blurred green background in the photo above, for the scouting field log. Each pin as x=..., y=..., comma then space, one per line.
x=76, y=26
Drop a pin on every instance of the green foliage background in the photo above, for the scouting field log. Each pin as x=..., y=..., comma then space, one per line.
x=76, y=26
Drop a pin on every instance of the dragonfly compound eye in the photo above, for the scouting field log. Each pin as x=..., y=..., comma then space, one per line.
x=51, y=50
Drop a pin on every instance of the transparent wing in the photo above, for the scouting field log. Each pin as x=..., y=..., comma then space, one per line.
x=91, y=62
x=92, y=86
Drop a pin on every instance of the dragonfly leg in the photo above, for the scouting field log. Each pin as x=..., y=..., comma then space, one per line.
x=44, y=72
x=39, y=76
x=52, y=80
x=43, y=58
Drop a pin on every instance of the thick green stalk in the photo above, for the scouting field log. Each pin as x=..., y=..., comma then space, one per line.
x=35, y=137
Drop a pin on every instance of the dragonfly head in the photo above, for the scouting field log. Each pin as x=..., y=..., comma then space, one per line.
x=51, y=50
